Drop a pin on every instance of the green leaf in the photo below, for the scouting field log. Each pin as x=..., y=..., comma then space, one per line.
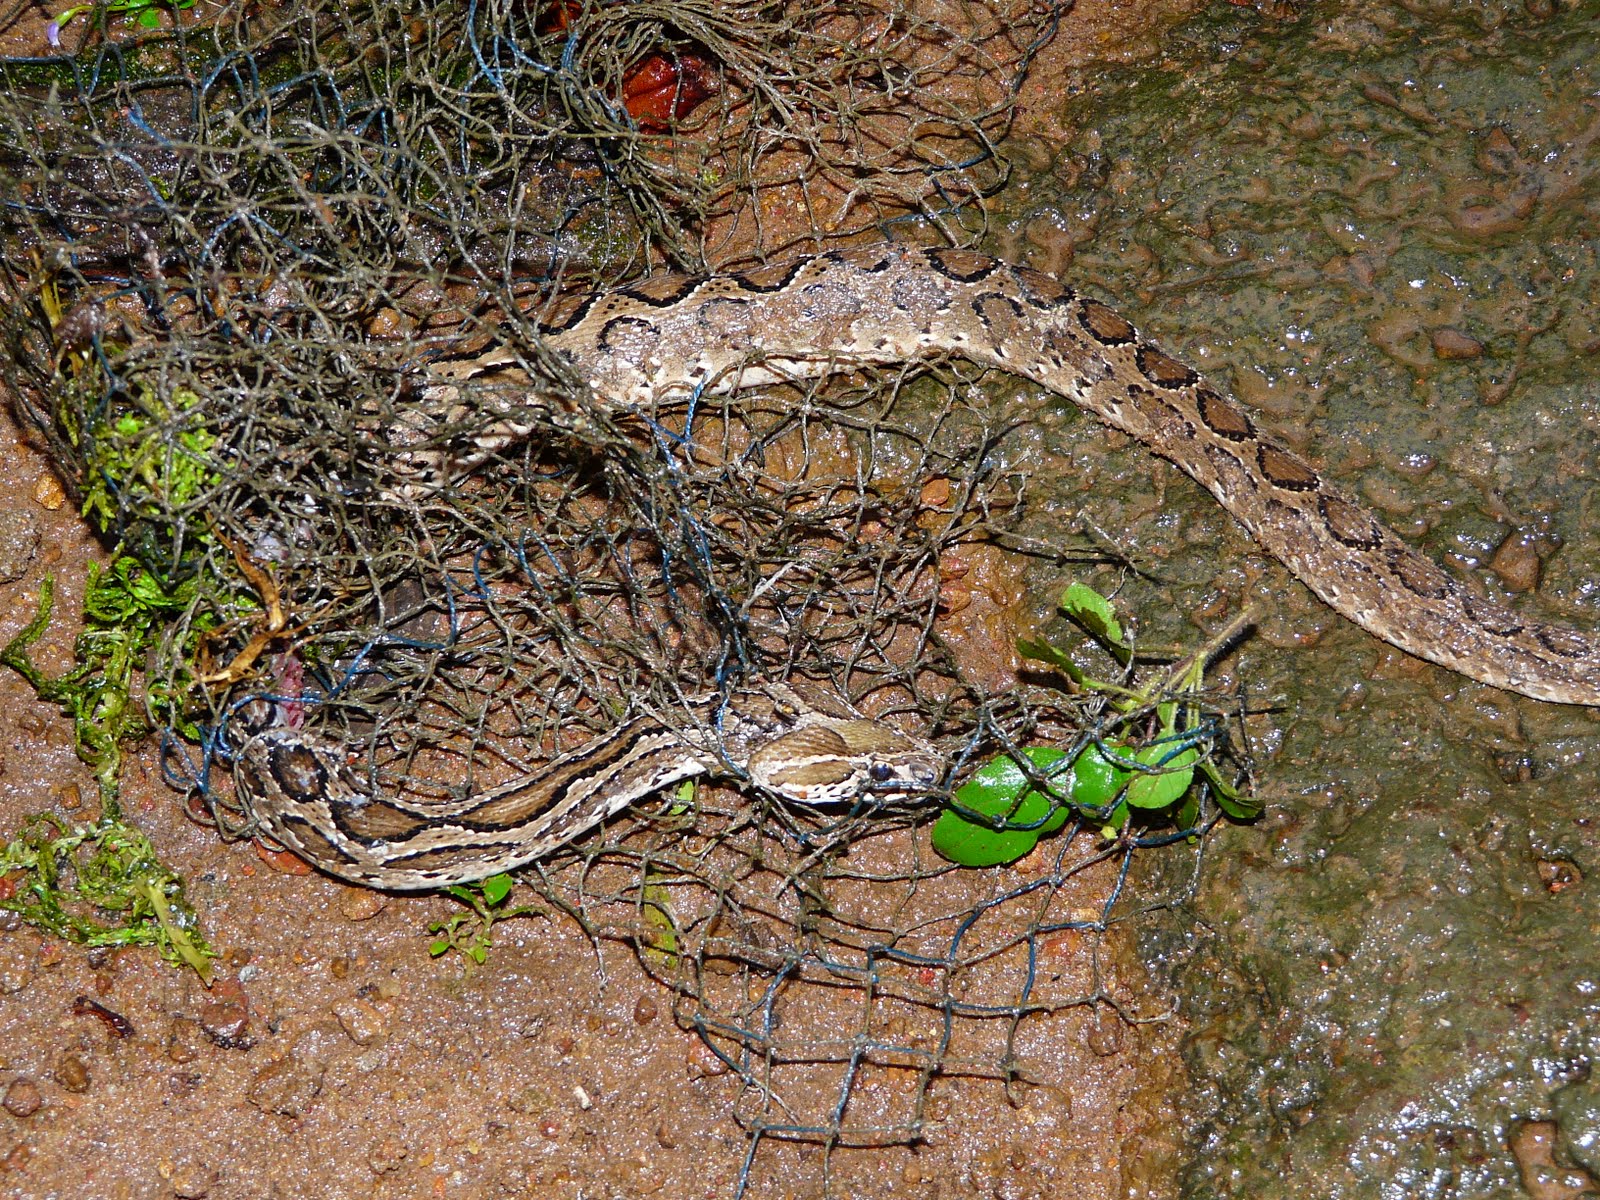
x=1228, y=797
x=660, y=941
x=150, y=18
x=1096, y=779
x=1176, y=774
x=682, y=798
x=1046, y=653
x=496, y=888
x=1002, y=792
x=1094, y=612
x=439, y=947
x=1188, y=812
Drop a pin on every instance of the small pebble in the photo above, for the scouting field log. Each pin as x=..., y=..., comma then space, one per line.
x=386, y=1156
x=387, y=323
x=193, y=1182
x=1558, y=876
x=645, y=1010
x=1516, y=561
x=22, y=1098
x=1452, y=344
x=1105, y=1032
x=703, y=1062
x=15, y=969
x=48, y=493
x=361, y=904
x=364, y=1024
x=183, y=1042
x=225, y=1018
x=72, y=1073
x=285, y=1088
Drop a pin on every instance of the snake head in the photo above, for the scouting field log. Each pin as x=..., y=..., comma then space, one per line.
x=843, y=759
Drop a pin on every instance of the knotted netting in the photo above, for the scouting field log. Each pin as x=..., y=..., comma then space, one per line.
x=236, y=251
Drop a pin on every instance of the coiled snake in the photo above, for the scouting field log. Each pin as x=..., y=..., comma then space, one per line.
x=819, y=315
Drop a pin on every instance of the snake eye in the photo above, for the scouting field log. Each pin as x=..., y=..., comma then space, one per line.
x=880, y=772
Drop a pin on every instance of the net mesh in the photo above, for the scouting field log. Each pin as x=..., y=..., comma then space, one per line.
x=234, y=250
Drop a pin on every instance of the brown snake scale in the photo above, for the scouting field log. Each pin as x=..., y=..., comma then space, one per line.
x=638, y=345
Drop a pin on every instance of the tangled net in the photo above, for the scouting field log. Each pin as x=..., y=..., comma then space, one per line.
x=232, y=250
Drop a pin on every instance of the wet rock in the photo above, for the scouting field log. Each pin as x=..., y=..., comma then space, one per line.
x=645, y=1010
x=225, y=1017
x=285, y=1088
x=1533, y=1145
x=1452, y=344
x=22, y=1098
x=1577, y=1110
x=72, y=1073
x=183, y=1040
x=19, y=542
x=364, y=1024
x=361, y=904
x=15, y=969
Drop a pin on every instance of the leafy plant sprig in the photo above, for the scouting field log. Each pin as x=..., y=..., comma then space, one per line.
x=469, y=933
x=1001, y=813
x=146, y=12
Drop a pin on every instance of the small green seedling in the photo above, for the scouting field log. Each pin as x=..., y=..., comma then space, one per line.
x=469, y=932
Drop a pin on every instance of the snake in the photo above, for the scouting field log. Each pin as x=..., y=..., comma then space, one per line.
x=682, y=336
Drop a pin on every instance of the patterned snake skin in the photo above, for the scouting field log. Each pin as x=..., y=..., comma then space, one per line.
x=670, y=335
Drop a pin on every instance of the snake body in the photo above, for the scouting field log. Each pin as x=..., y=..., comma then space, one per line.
x=808, y=747
x=673, y=335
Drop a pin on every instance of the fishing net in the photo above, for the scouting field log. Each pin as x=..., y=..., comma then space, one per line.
x=234, y=250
